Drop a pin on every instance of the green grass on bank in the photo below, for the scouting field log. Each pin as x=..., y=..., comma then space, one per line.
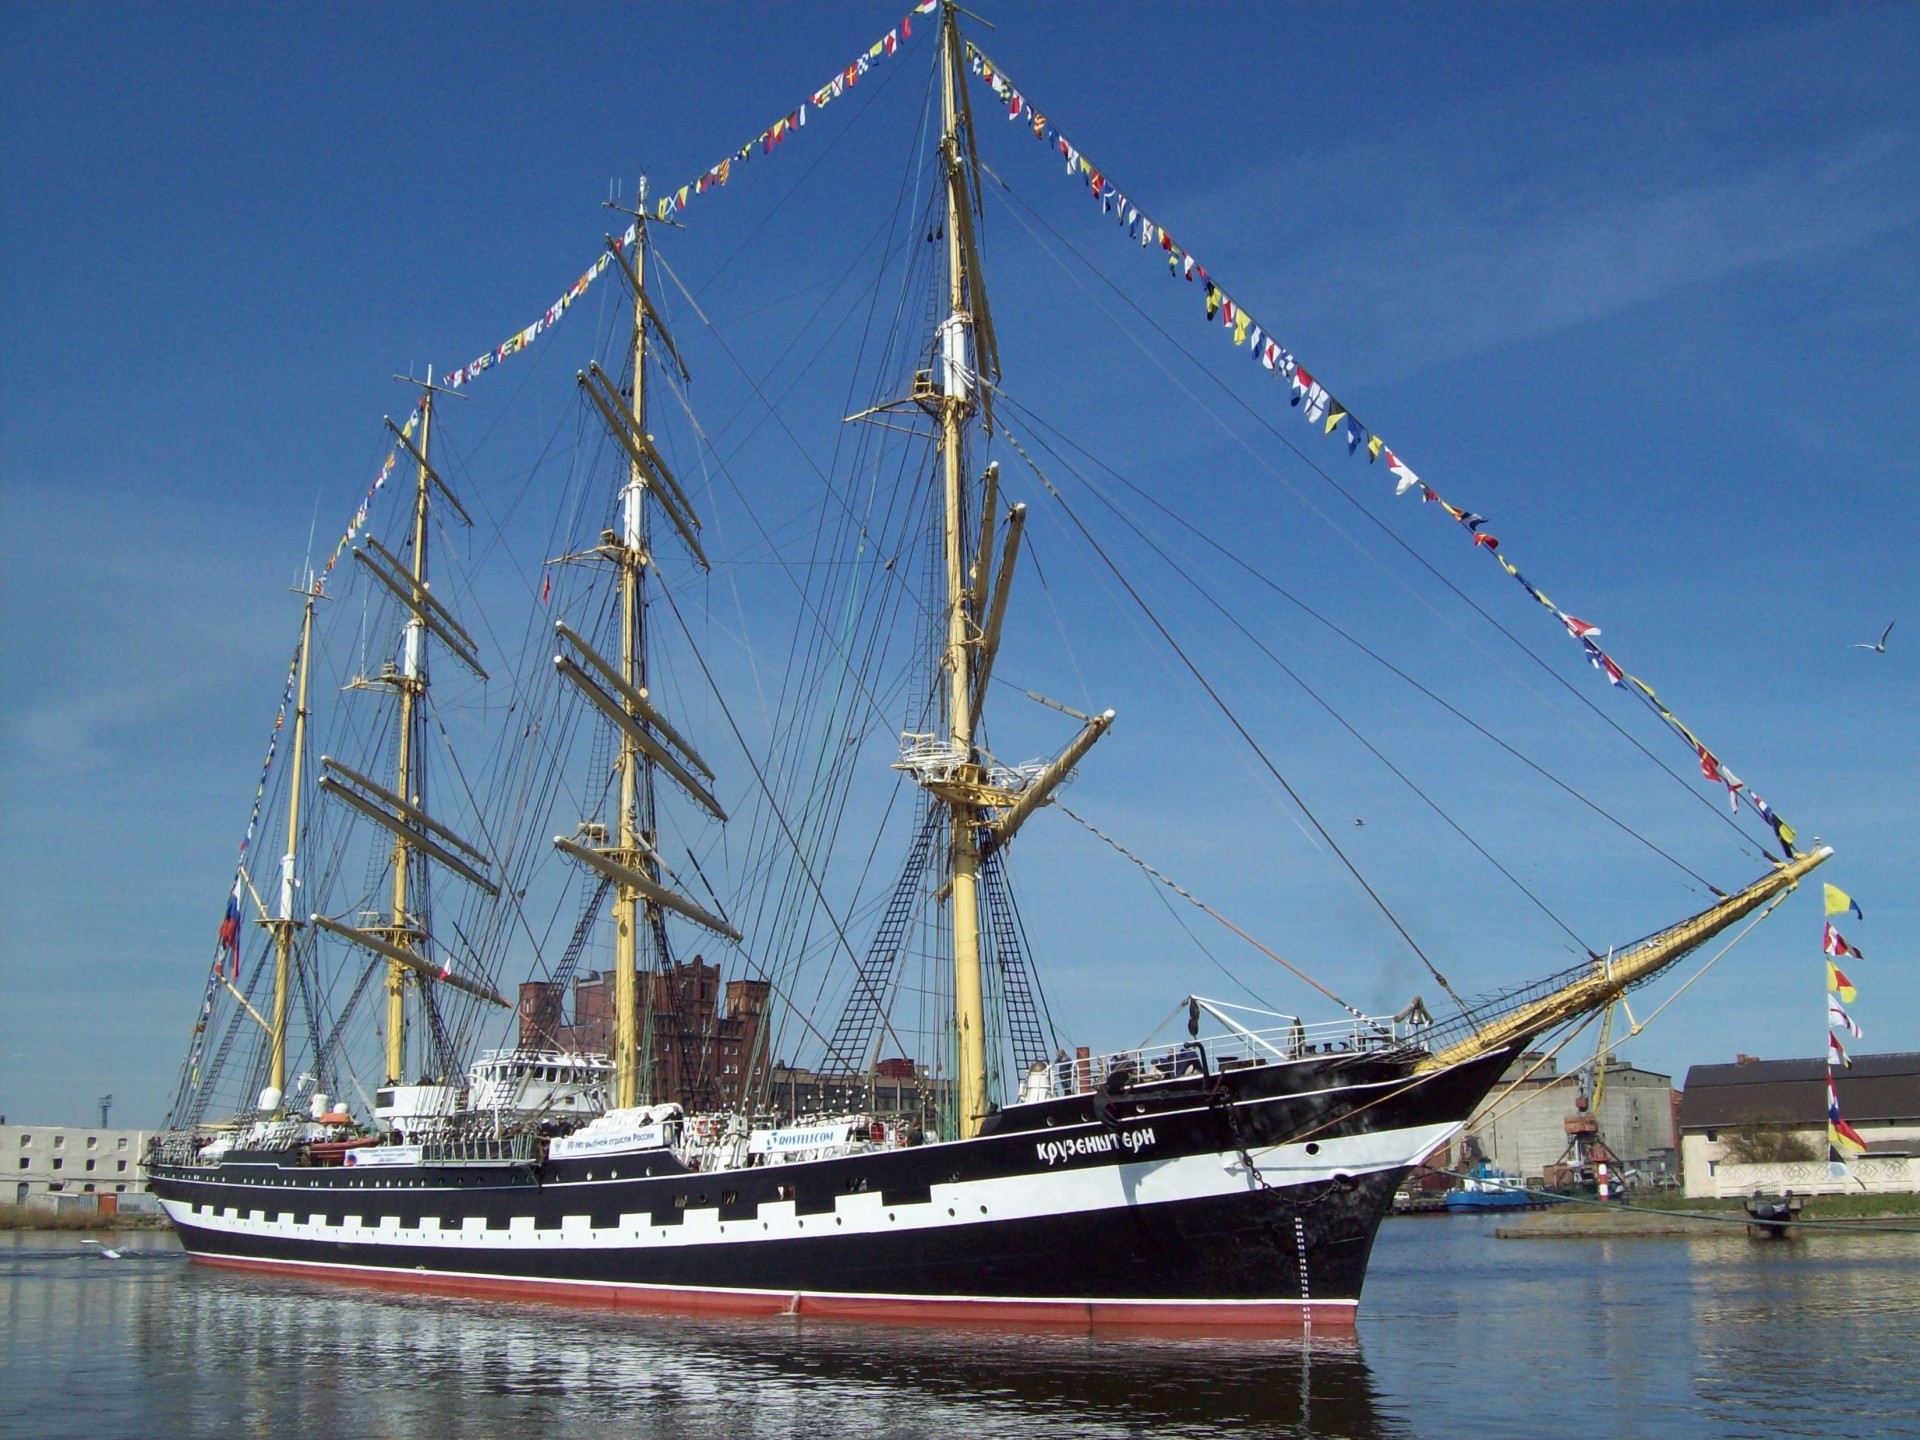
x=1818, y=1207
x=42, y=1217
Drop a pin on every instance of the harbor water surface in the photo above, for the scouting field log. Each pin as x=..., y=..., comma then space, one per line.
x=1461, y=1334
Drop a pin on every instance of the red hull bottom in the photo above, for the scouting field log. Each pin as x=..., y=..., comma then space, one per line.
x=1241, y=1317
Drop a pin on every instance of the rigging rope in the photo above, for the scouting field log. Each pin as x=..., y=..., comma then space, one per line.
x=1234, y=720
x=1011, y=198
x=1210, y=912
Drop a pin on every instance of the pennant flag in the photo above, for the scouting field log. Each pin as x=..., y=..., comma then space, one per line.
x=1356, y=432
x=1843, y=1138
x=1837, y=1016
x=1840, y=985
x=1577, y=627
x=1401, y=471
x=1837, y=1053
x=1834, y=943
x=546, y=588
x=1602, y=662
x=1213, y=300
x=1838, y=902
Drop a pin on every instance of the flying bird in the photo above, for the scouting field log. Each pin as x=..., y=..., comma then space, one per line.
x=1879, y=648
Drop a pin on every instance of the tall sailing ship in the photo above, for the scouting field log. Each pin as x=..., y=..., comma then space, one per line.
x=647, y=1150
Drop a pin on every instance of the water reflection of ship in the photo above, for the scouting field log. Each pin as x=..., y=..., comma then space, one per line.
x=406, y=1363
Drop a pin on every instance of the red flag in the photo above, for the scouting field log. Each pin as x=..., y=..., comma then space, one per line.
x=230, y=930
x=546, y=588
x=1709, y=766
x=1834, y=943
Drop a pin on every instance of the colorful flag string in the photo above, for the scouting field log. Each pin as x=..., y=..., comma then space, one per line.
x=1321, y=409
x=1843, y=1141
x=713, y=178
x=795, y=119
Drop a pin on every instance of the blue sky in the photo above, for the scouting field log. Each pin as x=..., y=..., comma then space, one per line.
x=1635, y=282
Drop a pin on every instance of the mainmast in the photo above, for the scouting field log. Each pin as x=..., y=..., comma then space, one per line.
x=648, y=744
x=956, y=406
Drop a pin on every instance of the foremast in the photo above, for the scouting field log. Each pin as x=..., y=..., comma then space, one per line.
x=984, y=808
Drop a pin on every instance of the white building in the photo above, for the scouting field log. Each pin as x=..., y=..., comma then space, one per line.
x=1786, y=1101
x=1522, y=1129
x=68, y=1160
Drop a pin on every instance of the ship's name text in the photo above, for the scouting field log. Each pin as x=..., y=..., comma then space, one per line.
x=1104, y=1142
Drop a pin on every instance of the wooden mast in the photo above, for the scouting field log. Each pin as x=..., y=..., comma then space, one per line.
x=411, y=684
x=956, y=406
x=284, y=926
x=635, y=848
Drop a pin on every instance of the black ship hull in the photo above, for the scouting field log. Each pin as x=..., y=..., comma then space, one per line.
x=1249, y=1197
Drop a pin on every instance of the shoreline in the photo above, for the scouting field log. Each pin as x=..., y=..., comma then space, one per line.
x=43, y=1217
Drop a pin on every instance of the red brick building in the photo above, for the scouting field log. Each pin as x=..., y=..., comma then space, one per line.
x=702, y=1036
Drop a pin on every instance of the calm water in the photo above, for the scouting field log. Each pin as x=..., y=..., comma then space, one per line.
x=1461, y=1334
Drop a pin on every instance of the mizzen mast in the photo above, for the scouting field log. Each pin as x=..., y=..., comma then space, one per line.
x=284, y=926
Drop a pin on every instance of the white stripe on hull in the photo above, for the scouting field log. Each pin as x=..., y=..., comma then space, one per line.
x=1064, y=1189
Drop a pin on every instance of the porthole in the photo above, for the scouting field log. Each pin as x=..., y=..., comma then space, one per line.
x=1313, y=1147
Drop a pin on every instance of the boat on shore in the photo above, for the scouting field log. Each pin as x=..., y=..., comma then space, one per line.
x=1234, y=1175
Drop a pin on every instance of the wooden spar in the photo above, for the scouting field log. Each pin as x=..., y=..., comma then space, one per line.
x=426, y=969
x=428, y=471
x=410, y=835
x=642, y=707
x=646, y=307
x=411, y=811
x=652, y=748
x=650, y=454
x=983, y=559
x=646, y=885
x=409, y=597
x=1610, y=978
x=1041, y=790
x=625, y=436
x=997, y=614
x=431, y=600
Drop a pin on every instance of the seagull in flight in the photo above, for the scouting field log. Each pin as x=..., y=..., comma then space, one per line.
x=1881, y=647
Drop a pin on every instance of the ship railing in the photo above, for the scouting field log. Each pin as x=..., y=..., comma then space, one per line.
x=515, y=1148
x=930, y=758
x=1236, y=1048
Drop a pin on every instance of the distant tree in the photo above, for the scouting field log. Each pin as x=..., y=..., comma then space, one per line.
x=1758, y=1144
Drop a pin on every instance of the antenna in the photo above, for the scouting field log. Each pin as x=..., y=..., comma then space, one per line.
x=106, y=1105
